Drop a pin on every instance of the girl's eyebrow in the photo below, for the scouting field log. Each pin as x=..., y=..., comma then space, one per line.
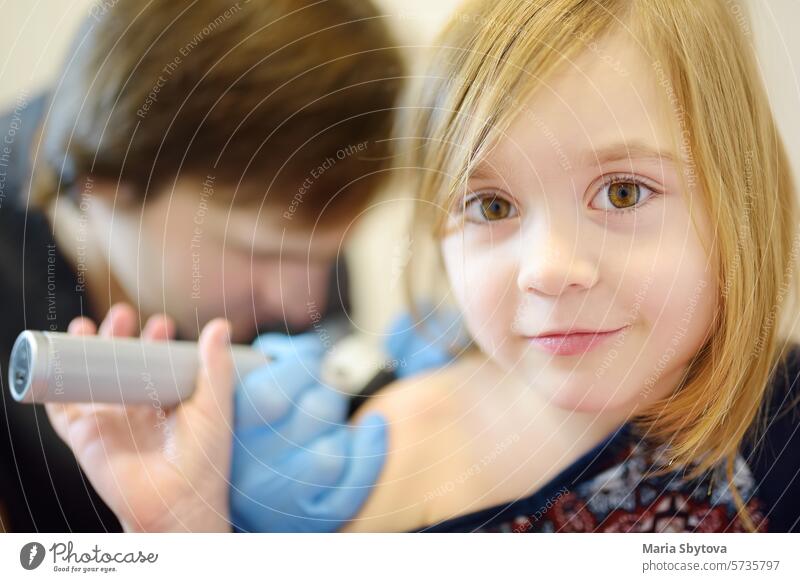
x=481, y=172
x=625, y=151
x=489, y=170
x=614, y=152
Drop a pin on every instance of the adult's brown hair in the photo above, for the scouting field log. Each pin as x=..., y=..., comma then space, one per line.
x=288, y=100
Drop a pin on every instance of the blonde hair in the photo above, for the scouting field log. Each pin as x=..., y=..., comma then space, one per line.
x=494, y=54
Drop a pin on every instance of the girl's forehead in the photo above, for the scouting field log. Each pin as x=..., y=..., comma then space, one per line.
x=607, y=99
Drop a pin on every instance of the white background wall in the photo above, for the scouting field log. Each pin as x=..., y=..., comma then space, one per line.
x=37, y=32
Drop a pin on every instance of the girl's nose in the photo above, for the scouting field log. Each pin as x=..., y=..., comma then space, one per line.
x=555, y=258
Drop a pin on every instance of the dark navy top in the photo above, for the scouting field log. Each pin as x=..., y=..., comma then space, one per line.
x=609, y=489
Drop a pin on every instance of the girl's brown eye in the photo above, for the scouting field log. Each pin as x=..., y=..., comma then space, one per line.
x=623, y=194
x=489, y=208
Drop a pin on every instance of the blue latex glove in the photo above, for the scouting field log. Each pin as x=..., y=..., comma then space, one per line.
x=422, y=345
x=297, y=465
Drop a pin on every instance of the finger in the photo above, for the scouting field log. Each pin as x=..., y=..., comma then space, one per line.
x=426, y=344
x=211, y=407
x=318, y=411
x=306, y=346
x=329, y=484
x=365, y=458
x=268, y=393
x=277, y=487
x=158, y=328
x=120, y=321
x=64, y=417
x=82, y=326
x=57, y=413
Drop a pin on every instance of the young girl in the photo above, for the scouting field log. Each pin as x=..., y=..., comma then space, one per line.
x=616, y=218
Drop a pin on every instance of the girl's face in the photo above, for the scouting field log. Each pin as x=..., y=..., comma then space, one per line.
x=578, y=220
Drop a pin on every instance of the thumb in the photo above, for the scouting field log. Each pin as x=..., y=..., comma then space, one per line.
x=212, y=401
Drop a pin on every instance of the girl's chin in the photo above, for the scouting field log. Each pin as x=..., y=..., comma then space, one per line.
x=571, y=392
x=582, y=402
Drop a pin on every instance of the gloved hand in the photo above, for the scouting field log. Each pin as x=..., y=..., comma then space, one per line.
x=297, y=465
x=431, y=342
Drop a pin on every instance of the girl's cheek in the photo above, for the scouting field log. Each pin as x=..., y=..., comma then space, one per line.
x=483, y=284
x=672, y=293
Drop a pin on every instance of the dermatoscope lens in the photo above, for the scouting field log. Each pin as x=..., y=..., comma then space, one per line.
x=19, y=366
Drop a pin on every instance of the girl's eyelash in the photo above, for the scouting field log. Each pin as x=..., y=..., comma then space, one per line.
x=476, y=197
x=480, y=195
x=608, y=180
x=612, y=179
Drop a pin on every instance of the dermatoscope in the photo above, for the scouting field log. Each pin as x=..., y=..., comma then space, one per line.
x=58, y=367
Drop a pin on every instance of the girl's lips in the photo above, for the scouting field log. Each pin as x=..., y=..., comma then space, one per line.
x=573, y=343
